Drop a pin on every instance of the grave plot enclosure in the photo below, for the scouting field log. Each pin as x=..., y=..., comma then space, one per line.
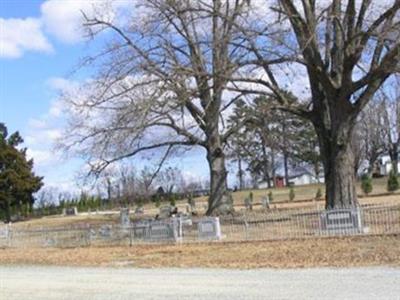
x=267, y=224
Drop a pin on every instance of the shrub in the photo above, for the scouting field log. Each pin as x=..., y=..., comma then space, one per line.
x=248, y=202
x=158, y=201
x=172, y=200
x=270, y=196
x=393, y=182
x=366, y=184
x=190, y=200
x=292, y=195
x=318, y=195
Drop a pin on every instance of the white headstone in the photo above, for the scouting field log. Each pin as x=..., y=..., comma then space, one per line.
x=342, y=221
x=165, y=212
x=209, y=228
x=124, y=217
x=70, y=211
x=265, y=202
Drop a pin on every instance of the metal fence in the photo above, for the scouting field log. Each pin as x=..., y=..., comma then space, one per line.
x=268, y=224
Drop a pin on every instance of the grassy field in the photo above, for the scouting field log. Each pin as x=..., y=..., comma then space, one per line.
x=304, y=192
x=322, y=252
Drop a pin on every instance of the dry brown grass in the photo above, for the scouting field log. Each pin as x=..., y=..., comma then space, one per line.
x=94, y=218
x=333, y=252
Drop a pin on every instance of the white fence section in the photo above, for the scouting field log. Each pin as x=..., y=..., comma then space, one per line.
x=266, y=224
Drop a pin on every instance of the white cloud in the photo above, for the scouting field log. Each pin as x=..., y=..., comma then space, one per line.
x=46, y=130
x=61, y=19
x=20, y=35
x=64, y=18
x=36, y=123
x=41, y=157
x=62, y=85
x=56, y=108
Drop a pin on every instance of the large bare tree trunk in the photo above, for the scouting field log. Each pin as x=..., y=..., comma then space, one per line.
x=338, y=159
x=218, y=183
x=340, y=178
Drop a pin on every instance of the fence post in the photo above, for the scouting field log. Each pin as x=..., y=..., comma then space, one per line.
x=246, y=227
x=130, y=235
x=9, y=235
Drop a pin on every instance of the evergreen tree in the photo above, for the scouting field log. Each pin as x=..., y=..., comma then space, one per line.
x=318, y=195
x=366, y=184
x=292, y=194
x=393, y=182
x=17, y=180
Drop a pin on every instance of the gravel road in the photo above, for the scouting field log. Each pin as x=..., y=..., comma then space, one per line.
x=62, y=283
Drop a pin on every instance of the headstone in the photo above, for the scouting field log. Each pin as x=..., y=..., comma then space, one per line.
x=265, y=202
x=139, y=211
x=70, y=211
x=342, y=221
x=192, y=204
x=105, y=231
x=188, y=209
x=226, y=206
x=158, y=230
x=185, y=220
x=124, y=217
x=209, y=228
x=165, y=212
x=49, y=242
x=4, y=231
x=248, y=203
x=141, y=230
x=167, y=230
x=92, y=233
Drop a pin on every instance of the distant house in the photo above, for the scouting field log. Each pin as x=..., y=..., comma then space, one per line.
x=297, y=176
x=305, y=178
x=385, y=165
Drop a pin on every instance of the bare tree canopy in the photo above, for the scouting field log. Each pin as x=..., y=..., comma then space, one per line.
x=161, y=83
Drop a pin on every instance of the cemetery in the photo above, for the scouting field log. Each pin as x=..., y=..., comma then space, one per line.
x=142, y=135
x=265, y=229
x=254, y=220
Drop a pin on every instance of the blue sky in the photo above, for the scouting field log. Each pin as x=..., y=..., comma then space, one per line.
x=40, y=45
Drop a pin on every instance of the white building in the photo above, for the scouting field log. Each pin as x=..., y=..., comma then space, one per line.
x=385, y=165
x=299, y=176
x=305, y=178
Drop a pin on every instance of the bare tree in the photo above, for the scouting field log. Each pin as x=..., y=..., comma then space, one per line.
x=390, y=94
x=160, y=84
x=346, y=49
x=371, y=133
x=171, y=179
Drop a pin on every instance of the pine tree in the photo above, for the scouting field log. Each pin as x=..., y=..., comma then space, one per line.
x=270, y=196
x=18, y=182
x=393, y=182
x=366, y=184
x=318, y=195
x=292, y=195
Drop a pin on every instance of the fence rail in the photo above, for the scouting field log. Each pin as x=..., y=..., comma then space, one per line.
x=258, y=225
